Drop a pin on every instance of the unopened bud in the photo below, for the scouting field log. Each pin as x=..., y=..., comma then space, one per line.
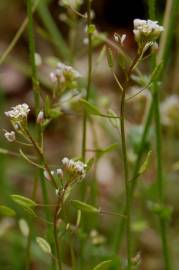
x=40, y=117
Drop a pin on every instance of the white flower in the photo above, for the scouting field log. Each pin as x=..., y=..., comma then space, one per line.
x=146, y=30
x=19, y=111
x=65, y=161
x=64, y=74
x=60, y=172
x=75, y=168
x=10, y=136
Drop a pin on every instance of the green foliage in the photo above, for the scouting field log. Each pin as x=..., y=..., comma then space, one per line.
x=6, y=211
x=85, y=207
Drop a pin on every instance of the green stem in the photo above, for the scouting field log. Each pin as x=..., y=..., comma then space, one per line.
x=163, y=54
x=89, y=80
x=58, y=209
x=160, y=181
x=118, y=235
x=36, y=89
x=125, y=162
x=29, y=239
x=127, y=187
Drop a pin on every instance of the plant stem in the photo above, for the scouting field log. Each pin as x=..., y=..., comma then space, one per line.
x=36, y=89
x=89, y=80
x=118, y=235
x=163, y=54
x=127, y=187
x=55, y=223
x=125, y=162
x=160, y=184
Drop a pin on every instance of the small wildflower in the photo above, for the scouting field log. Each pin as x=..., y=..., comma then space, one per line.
x=19, y=111
x=64, y=76
x=74, y=168
x=146, y=30
x=18, y=115
x=60, y=172
x=10, y=136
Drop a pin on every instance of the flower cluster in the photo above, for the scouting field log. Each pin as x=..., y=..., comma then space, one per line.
x=146, y=30
x=72, y=171
x=76, y=169
x=64, y=76
x=19, y=111
x=18, y=114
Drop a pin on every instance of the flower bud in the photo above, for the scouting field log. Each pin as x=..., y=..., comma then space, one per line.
x=10, y=136
x=40, y=117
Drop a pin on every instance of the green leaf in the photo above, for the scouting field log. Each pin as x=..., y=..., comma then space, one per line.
x=85, y=207
x=30, y=211
x=44, y=245
x=103, y=265
x=6, y=211
x=145, y=163
x=106, y=150
x=23, y=201
x=90, y=108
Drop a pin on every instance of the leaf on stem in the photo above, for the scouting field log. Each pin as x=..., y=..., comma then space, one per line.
x=85, y=207
x=145, y=164
x=23, y=201
x=103, y=265
x=91, y=109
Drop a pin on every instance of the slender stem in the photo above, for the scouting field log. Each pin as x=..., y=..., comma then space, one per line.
x=160, y=182
x=36, y=92
x=156, y=99
x=163, y=53
x=125, y=164
x=29, y=239
x=89, y=79
x=55, y=223
x=36, y=99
